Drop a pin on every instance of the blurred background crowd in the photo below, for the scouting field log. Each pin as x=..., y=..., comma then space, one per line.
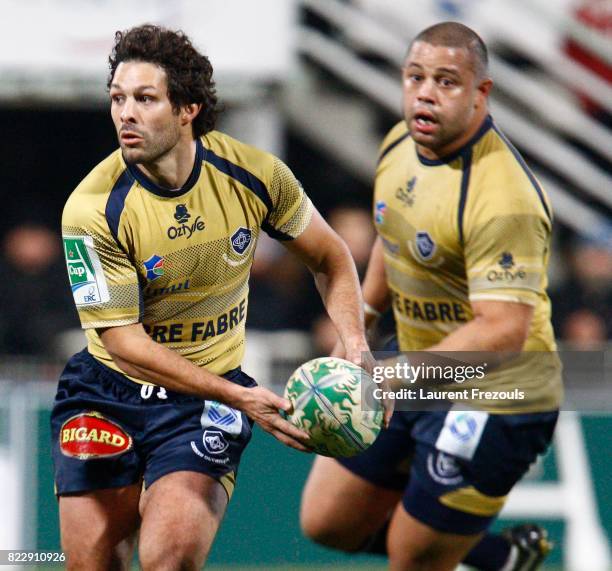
x=48, y=148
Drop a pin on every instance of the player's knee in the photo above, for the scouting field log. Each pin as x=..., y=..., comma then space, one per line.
x=324, y=531
x=175, y=553
x=95, y=554
x=312, y=524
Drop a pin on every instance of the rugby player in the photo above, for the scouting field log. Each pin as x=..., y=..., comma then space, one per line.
x=150, y=421
x=461, y=255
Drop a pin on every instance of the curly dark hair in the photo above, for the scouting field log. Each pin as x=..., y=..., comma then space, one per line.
x=189, y=73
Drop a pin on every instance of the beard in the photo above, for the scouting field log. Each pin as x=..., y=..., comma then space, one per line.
x=151, y=149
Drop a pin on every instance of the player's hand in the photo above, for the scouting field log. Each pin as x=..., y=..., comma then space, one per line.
x=262, y=405
x=357, y=351
x=360, y=355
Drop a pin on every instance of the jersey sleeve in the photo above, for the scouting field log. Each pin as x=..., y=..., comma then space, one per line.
x=506, y=257
x=102, y=277
x=291, y=209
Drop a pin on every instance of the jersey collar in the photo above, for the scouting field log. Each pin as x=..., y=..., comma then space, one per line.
x=486, y=125
x=160, y=190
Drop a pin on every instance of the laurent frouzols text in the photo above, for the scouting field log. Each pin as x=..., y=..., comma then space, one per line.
x=407, y=373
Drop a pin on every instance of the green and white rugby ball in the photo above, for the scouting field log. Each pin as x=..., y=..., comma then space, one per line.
x=332, y=401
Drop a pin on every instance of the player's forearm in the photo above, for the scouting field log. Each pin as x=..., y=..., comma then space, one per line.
x=338, y=284
x=140, y=357
x=376, y=295
x=482, y=334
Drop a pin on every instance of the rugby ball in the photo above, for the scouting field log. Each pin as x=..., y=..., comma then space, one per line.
x=332, y=401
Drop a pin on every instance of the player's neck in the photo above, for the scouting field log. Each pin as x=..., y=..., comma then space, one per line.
x=458, y=143
x=172, y=170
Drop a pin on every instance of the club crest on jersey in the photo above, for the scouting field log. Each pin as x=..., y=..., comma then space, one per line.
x=182, y=216
x=380, y=211
x=154, y=267
x=91, y=435
x=426, y=247
x=241, y=240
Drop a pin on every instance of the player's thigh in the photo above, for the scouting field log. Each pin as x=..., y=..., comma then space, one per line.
x=181, y=513
x=341, y=509
x=414, y=546
x=98, y=528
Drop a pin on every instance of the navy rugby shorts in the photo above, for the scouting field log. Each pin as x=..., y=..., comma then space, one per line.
x=455, y=468
x=109, y=432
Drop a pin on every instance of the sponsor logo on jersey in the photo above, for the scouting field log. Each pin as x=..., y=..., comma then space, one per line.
x=421, y=310
x=509, y=271
x=91, y=435
x=380, y=210
x=221, y=416
x=182, y=216
x=406, y=195
x=154, y=267
x=426, y=247
x=462, y=431
x=170, y=288
x=444, y=469
x=506, y=261
x=198, y=330
x=85, y=272
x=240, y=240
x=214, y=442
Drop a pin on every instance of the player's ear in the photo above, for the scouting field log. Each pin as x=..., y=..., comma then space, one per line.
x=485, y=86
x=189, y=112
x=483, y=90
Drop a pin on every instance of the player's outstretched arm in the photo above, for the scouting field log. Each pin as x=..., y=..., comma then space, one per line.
x=137, y=355
x=376, y=294
x=329, y=259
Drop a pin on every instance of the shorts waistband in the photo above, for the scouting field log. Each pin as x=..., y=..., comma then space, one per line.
x=236, y=376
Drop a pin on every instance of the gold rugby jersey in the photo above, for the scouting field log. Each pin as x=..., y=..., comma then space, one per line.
x=178, y=260
x=474, y=226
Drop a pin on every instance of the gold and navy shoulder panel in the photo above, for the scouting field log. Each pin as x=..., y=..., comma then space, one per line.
x=287, y=208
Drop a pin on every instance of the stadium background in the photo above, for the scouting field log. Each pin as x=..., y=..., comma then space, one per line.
x=316, y=82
